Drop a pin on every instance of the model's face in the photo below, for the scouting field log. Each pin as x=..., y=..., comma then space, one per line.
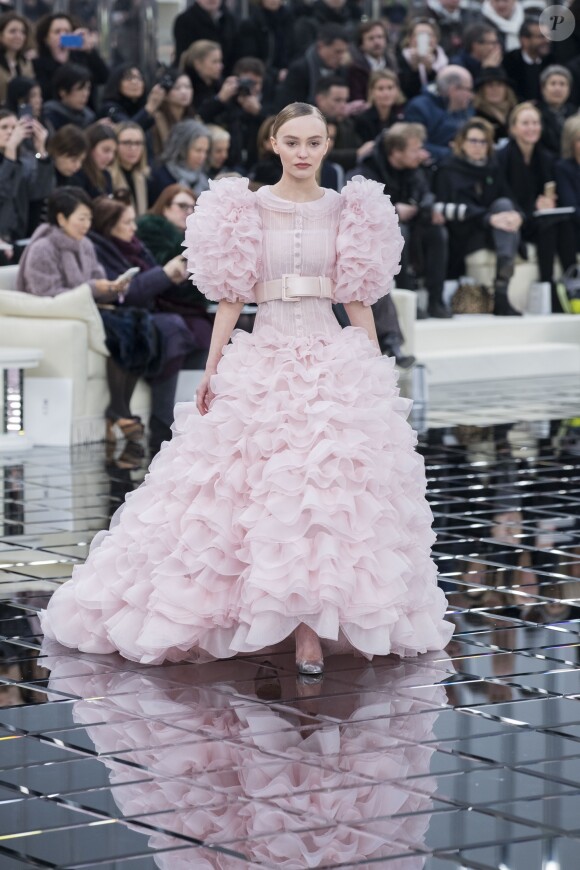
x=126, y=226
x=494, y=92
x=132, y=85
x=77, y=98
x=179, y=209
x=58, y=28
x=384, y=94
x=197, y=153
x=333, y=55
x=475, y=145
x=302, y=144
x=219, y=153
x=68, y=165
x=13, y=37
x=77, y=225
x=212, y=66
x=103, y=153
x=130, y=146
x=556, y=90
x=527, y=128
x=333, y=104
x=7, y=126
x=374, y=42
x=181, y=94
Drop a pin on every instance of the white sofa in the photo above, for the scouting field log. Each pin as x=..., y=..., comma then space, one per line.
x=69, y=331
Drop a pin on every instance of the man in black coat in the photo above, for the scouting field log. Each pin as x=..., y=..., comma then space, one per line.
x=524, y=65
x=326, y=57
x=207, y=19
x=396, y=162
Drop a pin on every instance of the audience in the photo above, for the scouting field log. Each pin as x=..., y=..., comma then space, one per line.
x=125, y=97
x=176, y=106
x=211, y=20
x=331, y=98
x=162, y=229
x=474, y=200
x=72, y=90
x=443, y=110
x=130, y=169
x=370, y=54
x=481, y=48
x=267, y=169
x=386, y=105
x=94, y=176
x=507, y=17
x=268, y=34
x=203, y=63
x=555, y=107
x=60, y=257
x=396, y=162
x=51, y=54
x=183, y=160
x=219, y=149
x=67, y=149
x=451, y=21
x=525, y=63
x=14, y=43
x=327, y=56
x=494, y=100
x=567, y=172
x=24, y=95
x=420, y=57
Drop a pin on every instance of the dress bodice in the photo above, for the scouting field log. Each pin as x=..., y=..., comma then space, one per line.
x=298, y=238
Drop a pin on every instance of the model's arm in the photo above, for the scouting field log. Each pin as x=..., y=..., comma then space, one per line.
x=225, y=320
x=362, y=315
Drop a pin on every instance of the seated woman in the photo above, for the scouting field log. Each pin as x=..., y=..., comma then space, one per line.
x=183, y=160
x=130, y=169
x=529, y=169
x=473, y=199
x=94, y=175
x=419, y=56
x=567, y=172
x=386, y=105
x=219, y=149
x=162, y=229
x=177, y=105
x=67, y=149
x=60, y=257
x=118, y=249
x=24, y=179
x=494, y=99
x=555, y=105
x=125, y=99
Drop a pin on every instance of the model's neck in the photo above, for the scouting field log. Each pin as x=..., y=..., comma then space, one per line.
x=297, y=190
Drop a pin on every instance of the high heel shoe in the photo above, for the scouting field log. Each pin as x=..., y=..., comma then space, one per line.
x=131, y=428
x=310, y=668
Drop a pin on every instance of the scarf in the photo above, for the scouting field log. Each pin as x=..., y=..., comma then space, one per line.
x=133, y=252
x=448, y=17
x=509, y=27
x=195, y=179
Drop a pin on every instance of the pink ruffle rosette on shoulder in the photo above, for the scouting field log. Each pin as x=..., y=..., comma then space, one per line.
x=369, y=243
x=223, y=241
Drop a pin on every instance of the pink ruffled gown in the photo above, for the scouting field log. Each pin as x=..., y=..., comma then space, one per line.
x=299, y=497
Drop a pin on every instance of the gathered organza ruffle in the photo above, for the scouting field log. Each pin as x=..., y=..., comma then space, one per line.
x=298, y=498
x=369, y=243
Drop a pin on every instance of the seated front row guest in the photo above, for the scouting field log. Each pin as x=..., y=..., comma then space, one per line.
x=555, y=105
x=72, y=86
x=60, y=257
x=473, y=197
x=183, y=160
x=94, y=175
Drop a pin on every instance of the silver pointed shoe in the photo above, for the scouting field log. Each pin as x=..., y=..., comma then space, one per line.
x=310, y=669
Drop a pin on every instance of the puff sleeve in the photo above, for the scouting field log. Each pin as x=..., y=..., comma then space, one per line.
x=369, y=243
x=223, y=241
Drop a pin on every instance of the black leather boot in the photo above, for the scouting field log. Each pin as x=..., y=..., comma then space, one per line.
x=502, y=307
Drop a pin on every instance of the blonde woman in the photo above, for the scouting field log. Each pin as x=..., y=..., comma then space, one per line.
x=130, y=169
x=386, y=105
x=290, y=503
x=219, y=149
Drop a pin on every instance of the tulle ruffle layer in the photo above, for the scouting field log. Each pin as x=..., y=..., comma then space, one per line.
x=298, y=498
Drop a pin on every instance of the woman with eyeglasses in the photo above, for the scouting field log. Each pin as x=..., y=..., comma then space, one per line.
x=130, y=169
x=125, y=98
x=162, y=229
x=473, y=200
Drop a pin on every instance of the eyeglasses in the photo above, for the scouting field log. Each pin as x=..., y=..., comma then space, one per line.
x=132, y=143
x=185, y=206
x=473, y=141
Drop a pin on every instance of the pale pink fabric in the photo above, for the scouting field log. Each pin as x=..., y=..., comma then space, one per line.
x=299, y=497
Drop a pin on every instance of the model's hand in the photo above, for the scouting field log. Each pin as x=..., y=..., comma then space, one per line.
x=204, y=395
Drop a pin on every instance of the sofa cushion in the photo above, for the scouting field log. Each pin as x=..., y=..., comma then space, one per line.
x=77, y=304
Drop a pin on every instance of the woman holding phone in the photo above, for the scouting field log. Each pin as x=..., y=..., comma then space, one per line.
x=420, y=56
x=14, y=37
x=58, y=42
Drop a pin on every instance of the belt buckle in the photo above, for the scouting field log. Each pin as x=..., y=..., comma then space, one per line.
x=325, y=287
x=287, y=289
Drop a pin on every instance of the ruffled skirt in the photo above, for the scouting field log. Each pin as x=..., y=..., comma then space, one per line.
x=299, y=498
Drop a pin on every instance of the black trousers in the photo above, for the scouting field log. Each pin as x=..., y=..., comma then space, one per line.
x=427, y=247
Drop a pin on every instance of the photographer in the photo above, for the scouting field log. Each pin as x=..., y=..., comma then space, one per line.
x=58, y=43
x=125, y=98
x=396, y=162
x=238, y=108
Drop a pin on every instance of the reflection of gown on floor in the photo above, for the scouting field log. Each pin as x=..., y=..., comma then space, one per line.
x=195, y=757
x=299, y=497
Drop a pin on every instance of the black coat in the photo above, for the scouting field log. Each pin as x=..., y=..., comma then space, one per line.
x=368, y=125
x=552, y=126
x=242, y=127
x=318, y=14
x=195, y=23
x=526, y=76
x=526, y=181
x=297, y=85
x=45, y=68
x=411, y=186
x=567, y=173
x=268, y=36
x=459, y=182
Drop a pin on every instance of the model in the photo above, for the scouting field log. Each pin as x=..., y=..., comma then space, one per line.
x=291, y=500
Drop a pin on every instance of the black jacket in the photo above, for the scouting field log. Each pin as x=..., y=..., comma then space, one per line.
x=552, y=126
x=45, y=67
x=268, y=36
x=526, y=76
x=368, y=125
x=411, y=186
x=195, y=23
x=526, y=181
x=467, y=191
x=23, y=183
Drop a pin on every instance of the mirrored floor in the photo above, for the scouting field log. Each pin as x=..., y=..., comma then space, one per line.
x=467, y=758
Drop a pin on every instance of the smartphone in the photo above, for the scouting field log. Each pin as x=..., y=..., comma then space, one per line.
x=71, y=40
x=130, y=273
x=423, y=44
x=550, y=188
x=25, y=111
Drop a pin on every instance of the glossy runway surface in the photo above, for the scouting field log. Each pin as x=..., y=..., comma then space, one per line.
x=465, y=758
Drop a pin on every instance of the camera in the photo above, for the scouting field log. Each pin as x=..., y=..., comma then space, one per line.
x=245, y=87
x=167, y=81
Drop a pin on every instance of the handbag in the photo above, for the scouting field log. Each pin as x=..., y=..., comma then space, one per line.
x=568, y=290
x=472, y=298
x=132, y=339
